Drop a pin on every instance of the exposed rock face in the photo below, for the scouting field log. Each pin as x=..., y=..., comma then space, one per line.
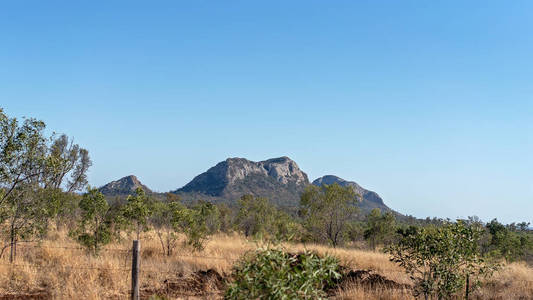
x=124, y=186
x=279, y=179
x=370, y=200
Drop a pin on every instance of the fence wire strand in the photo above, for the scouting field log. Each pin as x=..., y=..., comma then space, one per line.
x=142, y=270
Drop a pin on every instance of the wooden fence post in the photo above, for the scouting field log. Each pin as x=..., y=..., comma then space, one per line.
x=135, y=263
x=467, y=293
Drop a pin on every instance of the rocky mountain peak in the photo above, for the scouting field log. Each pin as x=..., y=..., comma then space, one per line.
x=331, y=179
x=369, y=199
x=276, y=177
x=123, y=186
x=282, y=169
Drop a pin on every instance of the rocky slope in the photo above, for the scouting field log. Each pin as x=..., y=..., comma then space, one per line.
x=279, y=179
x=124, y=186
x=370, y=200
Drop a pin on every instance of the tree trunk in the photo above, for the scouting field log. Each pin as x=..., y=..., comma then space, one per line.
x=95, y=242
x=12, y=245
x=161, y=240
x=168, y=244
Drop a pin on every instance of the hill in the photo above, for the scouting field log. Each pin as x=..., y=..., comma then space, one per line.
x=370, y=199
x=278, y=179
x=123, y=187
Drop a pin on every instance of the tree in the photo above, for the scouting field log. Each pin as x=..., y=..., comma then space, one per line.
x=93, y=230
x=510, y=242
x=254, y=215
x=380, y=228
x=34, y=170
x=441, y=260
x=164, y=213
x=327, y=210
x=197, y=223
x=258, y=218
x=226, y=218
x=137, y=210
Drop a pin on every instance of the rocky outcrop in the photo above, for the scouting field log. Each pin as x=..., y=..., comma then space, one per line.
x=369, y=201
x=279, y=179
x=124, y=186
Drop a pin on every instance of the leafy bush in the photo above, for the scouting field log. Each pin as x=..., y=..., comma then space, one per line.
x=380, y=227
x=260, y=219
x=137, y=211
x=93, y=230
x=512, y=242
x=275, y=274
x=442, y=260
x=198, y=223
x=327, y=212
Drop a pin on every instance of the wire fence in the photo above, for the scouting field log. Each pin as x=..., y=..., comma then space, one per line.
x=144, y=270
x=126, y=252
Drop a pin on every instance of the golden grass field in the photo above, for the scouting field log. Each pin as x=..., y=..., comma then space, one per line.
x=56, y=269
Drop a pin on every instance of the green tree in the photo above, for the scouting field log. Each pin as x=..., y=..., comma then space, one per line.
x=93, y=230
x=164, y=213
x=34, y=170
x=327, y=211
x=511, y=242
x=198, y=223
x=441, y=260
x=380, y=228
x=227, y=217
x=258, y=218
x=137, y=210
x=254, y=215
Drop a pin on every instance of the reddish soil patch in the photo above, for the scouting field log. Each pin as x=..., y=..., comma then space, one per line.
x=370, y=279
x=28, y=296
x=201, y=283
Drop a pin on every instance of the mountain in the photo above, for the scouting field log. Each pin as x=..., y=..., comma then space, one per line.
x=279, y=179
x=124, y=186
x=370, y=199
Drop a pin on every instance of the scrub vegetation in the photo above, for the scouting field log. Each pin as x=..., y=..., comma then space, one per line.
x=62, y=239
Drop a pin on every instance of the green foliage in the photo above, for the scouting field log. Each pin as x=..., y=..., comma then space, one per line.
x=380, y=228
x=258, y=218
x=511, y=242
x=163, y=215
x=198, y=223
x=355, y=231
x=327, y=211
x=93, y=230
x=34, y=169
x=137, y=211
x=226, y=217
x=275, y=274
x=440, y=259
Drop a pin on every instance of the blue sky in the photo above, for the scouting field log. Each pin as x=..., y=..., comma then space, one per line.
x=429, y=103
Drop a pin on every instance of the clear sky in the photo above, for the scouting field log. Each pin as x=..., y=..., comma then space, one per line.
x=428, y=103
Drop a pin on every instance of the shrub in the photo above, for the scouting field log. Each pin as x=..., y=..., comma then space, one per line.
x=327, y=212
x=93, y=230
x=442, y=260
x=275, y=274
x=198, y=223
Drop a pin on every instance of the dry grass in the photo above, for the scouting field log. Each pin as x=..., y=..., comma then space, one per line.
x=58, y=273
